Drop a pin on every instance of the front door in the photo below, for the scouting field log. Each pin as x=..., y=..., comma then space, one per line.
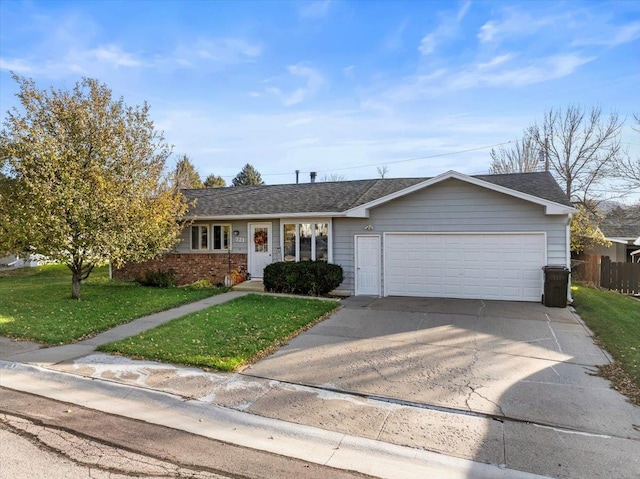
x=368, y=265
x=259, y=248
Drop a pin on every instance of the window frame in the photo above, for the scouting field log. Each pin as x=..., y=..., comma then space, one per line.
x=200, y=229
x=229, y=236
x=313, y=221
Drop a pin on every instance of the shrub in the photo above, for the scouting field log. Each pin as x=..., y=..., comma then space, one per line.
x=158, y=278
x=201, y=284
x=315, y=278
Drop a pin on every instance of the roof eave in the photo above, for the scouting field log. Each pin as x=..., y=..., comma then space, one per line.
x=319, y=214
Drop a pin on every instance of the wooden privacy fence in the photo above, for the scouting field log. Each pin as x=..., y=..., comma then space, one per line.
x=586, y=268
x=623, y=277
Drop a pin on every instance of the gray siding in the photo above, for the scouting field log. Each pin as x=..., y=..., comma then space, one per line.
x=239, y=244
x=617, y=252
x=450, y=206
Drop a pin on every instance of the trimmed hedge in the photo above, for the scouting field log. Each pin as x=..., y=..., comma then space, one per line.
x=314, y=278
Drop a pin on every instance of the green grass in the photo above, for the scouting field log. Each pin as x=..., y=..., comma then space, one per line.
x=36, y=304
x=615, y=320
x=226, y=336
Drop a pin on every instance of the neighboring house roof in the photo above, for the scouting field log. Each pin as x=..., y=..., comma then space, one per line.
x=340, y=197
x=621, y=223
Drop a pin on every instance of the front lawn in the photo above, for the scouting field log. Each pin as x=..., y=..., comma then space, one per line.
x=226, y=336
x=36, y=303
x=615, y=320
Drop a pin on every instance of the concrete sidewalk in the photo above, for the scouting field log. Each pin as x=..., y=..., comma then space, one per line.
x=343, y=451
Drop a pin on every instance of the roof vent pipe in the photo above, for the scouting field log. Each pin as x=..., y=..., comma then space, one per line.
x=313, y=176
x=297, y=176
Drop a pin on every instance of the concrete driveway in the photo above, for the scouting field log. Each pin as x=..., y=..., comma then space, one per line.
x=522, y=364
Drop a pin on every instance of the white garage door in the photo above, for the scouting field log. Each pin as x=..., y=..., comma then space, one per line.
x=475, y=266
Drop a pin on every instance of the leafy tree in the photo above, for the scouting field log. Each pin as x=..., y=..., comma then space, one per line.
x=247, y=176
x=185, y=175
x=584, y=230
x=85, y=179
x=524, y=157
x=213, y=181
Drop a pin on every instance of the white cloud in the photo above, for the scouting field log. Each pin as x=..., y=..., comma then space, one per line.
x=516, y=24
x=448, y=27
x=314, y=10
x=16, y=65
x=313, y=80
x=394, y=39
x=494, y=62
x=226, y=50
x=612, y=35
x=114, y=55
x=537, y=71
x=74, y=61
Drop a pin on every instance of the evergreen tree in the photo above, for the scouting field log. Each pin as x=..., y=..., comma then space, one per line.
x=248, y=176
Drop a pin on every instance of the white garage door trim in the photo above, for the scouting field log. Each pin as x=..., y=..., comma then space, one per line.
x=468, y=265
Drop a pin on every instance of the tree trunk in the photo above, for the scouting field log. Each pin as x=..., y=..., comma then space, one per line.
x=79, y=272
x=75, y=283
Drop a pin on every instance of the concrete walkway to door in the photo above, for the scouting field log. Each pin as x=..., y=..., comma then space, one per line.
x=508, y=383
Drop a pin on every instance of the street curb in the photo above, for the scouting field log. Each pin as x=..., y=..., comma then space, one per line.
x=310, y=444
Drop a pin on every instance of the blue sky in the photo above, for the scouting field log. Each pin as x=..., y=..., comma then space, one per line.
x=337, y=87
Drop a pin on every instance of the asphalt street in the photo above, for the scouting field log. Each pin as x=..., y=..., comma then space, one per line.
x=45, y=439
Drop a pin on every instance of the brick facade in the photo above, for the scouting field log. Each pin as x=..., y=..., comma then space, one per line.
x=189, y=267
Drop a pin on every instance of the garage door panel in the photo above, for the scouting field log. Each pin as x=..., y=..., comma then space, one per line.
x=477, y=266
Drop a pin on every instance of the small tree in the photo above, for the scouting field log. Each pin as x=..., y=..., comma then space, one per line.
x=247, y=176
x=83, y=180
x=585, y=233
x=213, y=181
x=382, y=171
x=185, y=175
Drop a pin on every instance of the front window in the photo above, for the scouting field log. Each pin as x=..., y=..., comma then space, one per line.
x=221, y=237
x=289, y=242
x=199, y=237
x=305, y=241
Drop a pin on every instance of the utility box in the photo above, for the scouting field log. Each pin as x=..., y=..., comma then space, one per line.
x=556, y=283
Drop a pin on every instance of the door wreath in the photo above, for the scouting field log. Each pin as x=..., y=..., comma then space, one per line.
x=260, y=237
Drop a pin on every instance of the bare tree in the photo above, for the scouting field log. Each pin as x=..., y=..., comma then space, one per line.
x=581, y=147
x=524, y=157
x=333, y=177
x=627, y=167
x=382, y=171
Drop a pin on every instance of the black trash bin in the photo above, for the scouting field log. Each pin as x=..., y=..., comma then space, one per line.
x=556, y=282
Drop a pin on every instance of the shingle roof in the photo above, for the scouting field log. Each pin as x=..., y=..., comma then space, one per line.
x=340, y=196
x=621, y=223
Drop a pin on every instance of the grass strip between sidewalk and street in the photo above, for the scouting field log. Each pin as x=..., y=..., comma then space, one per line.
x=615, y=320
x=227, y=336
x=36, y=303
